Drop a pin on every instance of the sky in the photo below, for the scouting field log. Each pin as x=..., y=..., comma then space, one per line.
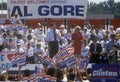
x=96, y=1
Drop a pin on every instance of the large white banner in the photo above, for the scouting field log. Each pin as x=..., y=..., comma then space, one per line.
x=48, y=8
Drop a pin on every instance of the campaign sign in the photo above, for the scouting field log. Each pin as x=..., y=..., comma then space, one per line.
x=5, y=60
x=18, y=60
x=32, y=9
x=48, y=62
x=60, y=55
x=45, y=78
x=104, y=80
x=67, y=62
x=105, y=73
x=83, y=63
x=64, y=53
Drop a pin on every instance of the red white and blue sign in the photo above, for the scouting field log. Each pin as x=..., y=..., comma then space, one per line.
x=48, y=62
x=67, y=62
x=18, y=60
x=105, y=73
x=65, y=58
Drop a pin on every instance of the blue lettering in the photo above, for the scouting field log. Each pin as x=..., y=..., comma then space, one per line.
x=16, y=9
x=2, y=66
x=2, y=57
x=69, y=10
x=26, y=11
x=43, y=10
x=5, y=66
x=59, y=10
x=79, y=10
x=54, y=10
x=8, y=65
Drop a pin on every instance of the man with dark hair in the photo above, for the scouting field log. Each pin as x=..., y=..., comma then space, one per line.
x=52, y=38
x=26, y=73
x=95, y=50
x=23, y=75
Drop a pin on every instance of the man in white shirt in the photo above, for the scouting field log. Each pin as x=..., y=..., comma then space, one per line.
x=19, y=40
x=38, y=53
x=19, y=50
x=52, y=38
x=29, y=54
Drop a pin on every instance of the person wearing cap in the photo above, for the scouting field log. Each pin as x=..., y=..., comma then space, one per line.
x=38, y=53
x=112, y=31
x=19, y=50
x=39, y=32
x=63, y=40
x=63, y=43
x=62, y=29
x=19, y=39
x=77, y=39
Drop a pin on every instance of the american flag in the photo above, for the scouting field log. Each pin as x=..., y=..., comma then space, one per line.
x=18, y=60
x=49, y=62
x=63, y=53
x=18, y=57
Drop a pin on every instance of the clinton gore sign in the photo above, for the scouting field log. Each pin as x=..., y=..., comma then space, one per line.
x=48, y=8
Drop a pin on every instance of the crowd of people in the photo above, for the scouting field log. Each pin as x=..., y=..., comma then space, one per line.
x=98, y=45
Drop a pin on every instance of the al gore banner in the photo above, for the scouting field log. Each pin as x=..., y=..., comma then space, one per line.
x=48, y=8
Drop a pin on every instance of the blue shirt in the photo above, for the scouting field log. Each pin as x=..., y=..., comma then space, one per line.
x=110, y=45
x=50, y=35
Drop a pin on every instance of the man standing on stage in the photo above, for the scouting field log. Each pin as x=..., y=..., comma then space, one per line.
x=52, y=38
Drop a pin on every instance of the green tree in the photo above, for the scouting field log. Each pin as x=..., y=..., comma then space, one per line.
x=117, y=10
x=3, y=6
x=106, y=7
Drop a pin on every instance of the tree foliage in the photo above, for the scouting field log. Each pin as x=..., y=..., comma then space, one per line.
x=3, y=6
x=106, y=7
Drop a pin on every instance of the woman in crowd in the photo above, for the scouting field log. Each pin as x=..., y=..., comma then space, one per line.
x=77, y=39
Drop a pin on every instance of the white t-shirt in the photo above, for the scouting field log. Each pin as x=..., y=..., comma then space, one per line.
x=38, y=51
x=19, y=41
x=20, y=50
x=85, y=51
x=29, y=52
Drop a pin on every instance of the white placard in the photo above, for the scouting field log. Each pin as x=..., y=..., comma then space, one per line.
x=48, y=8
